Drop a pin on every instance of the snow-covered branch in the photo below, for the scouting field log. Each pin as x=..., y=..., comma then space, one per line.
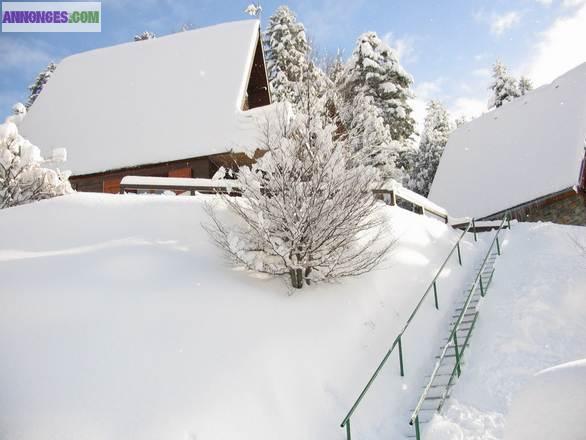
x=23, y=179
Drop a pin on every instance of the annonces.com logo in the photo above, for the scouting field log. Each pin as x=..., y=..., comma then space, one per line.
x=51, y=16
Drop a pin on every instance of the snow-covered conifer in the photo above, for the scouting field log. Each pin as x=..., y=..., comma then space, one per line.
x=525, y=85
x=36, y=87
x=253, y=9
x=374, y=70
x=335, y=68
x=23, y=179
x=504, y=87
x=436, y=130
x=303, y=212
x=458, y=122
x=146, y=35
x=287, y=52
x=369, y=139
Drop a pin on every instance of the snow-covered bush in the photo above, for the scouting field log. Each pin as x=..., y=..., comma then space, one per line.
x=23, y=178
x=42, y=79
x=303, y=211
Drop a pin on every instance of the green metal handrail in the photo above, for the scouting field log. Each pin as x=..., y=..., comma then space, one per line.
x=397, y=341
x=453, y=335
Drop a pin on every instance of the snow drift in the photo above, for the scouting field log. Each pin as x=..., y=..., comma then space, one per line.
x=119, y=319
x=552, y=405
x=533, y=318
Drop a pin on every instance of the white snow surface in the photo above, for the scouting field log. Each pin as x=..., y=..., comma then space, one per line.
x=531, y=319
x=178, y=181
x=119, y=319
x=167, y=98
x=528, y=148
x=413, y=197
x=551, y=405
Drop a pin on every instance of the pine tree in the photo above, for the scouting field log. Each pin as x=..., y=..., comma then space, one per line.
x=287, y=54
x=436, y=130
x=146, y=35
x=374, y=70
x=504, y=86
x=253, y=9
x=525, y=85
x=335, y=68
x=369, y=138
x=36, y=87
x=460, y=121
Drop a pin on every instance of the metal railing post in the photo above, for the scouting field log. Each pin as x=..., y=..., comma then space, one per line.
x=498, y=245
x=459, y=254
x=398, y=340
x=401, y=357
x=417, y=433
x=457, y=353
x=474, y=229
x=481, y=286
x=509, y=222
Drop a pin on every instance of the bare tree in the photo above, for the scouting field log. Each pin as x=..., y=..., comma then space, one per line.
x=303, y=212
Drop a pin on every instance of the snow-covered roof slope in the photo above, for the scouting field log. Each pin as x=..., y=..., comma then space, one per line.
x=525, y=149
x=151, y=101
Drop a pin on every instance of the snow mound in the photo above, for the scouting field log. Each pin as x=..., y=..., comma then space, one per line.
x=552, y=405
x=532, y=318
x=121, y=320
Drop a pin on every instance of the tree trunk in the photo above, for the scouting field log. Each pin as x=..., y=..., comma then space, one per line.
x=296, y=278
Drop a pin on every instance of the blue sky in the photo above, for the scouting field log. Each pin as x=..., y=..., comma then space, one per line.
x=447, y=45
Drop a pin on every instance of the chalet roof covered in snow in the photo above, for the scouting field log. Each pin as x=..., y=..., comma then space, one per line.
x=526, y=149
x=169, y=98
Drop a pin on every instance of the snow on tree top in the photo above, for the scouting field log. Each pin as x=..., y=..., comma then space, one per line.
x=168, y=98
x=526, y=149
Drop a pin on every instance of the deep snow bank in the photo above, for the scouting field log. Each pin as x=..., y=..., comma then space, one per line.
x=120, y=320
x=552, y=405
x=532, y=319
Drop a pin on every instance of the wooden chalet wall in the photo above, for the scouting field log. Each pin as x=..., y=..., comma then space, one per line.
x=257, y=92
x=199, y=167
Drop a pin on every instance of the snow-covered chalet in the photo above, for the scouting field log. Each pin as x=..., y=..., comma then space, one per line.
x=182, y=105
x=525, y=158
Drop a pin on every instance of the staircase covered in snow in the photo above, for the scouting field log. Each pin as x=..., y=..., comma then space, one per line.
x=449, y=360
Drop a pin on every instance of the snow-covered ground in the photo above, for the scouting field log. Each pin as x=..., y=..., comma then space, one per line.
x=532, y=319
x=120, y=320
